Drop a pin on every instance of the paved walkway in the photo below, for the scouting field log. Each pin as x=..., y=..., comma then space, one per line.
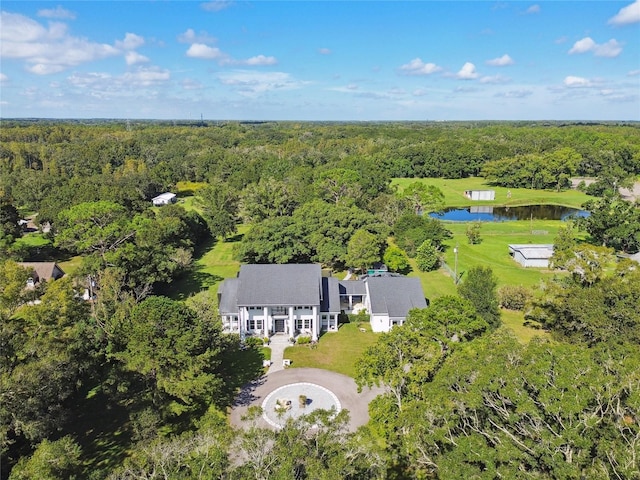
x=277, y=344
x=343, y=387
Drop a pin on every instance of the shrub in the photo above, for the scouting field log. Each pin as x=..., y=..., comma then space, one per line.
x=303, y=340
x=254, y=341
x=427, y=257
x=473, y=233
x=514, y=297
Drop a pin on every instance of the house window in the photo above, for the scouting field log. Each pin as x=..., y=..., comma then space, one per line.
x=303, y=324
x=254, y=324
x=278, y=310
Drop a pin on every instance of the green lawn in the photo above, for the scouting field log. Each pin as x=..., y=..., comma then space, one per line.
x=335, y=351
x=213, y=263
x=33, y=240
x=454, y=193
x=514, y=320
x=493, y=252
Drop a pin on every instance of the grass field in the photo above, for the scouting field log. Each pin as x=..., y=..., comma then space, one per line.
x=514, y=321
x=335, y=351
x=493, y=251
x=213, y=263
x=454, y=193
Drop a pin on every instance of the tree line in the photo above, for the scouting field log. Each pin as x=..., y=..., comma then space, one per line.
x=308, y=193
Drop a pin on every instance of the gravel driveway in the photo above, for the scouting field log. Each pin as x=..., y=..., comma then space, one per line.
x=343, y=387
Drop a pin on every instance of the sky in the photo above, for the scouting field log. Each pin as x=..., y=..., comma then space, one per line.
x=324, y=60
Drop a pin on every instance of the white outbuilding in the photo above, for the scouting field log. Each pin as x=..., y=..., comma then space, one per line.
x=480, y=194
x=532, y=255
x=164, y=199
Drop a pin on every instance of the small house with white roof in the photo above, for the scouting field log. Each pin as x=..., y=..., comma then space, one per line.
x=532, y=255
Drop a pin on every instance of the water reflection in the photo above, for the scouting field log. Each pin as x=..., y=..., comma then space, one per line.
x=504, y=214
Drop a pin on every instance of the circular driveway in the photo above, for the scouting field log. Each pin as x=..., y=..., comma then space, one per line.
x=343, y=387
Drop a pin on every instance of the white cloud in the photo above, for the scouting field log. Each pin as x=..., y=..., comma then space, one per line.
x=418, y=67
x=49, y=50
x=58, y=12
x=419, y=92
x=627, y=15
x=514, y=94
x=131, y=41
x=571, y=81
x=582, y=46
x=633, y=73
x=216, y=5
x=324, y=51
x=133, y=58
x=502, y=61
x=200, y=50
x=189, y=84
x=533, y=9
x=146, y=76
x=253, y=84
x=102, y=84
x=3, y=78
x=190, y=36
x=495, y=79
x=467, y=72
x=610, y=49
x=259, y=60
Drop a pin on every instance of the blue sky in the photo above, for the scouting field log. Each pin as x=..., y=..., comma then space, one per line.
x=328, y=60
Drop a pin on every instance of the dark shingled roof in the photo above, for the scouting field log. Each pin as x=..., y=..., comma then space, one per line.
x=228, y=296
x=290, y=284
x=352, y=287
x=330, y=296
x=395, y=296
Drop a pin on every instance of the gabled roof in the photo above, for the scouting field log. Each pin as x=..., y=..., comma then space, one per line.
x=167, y=196
x=351, y=287
x=228, y=296
x=395, y=296
x=533, y=251
x=289, y=284
x=44, y=270
x=330, y=295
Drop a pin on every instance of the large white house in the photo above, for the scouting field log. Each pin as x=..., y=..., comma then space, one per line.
x=295, y=299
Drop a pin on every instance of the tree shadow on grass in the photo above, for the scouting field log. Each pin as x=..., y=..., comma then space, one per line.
x=241, y=368
x=188, y=284
x=235, y=238
x=99, y=425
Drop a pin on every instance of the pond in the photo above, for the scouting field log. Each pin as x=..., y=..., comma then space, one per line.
x=505, y=214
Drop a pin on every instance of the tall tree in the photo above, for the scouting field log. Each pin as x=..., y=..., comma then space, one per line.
x=220, y=205
x=424, y=198
x=363, y=250
x=94, y=227
x=427, y=257
x=176, y=352
x=339, y=185
x=479, y=288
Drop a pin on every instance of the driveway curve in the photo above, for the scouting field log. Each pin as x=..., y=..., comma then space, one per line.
x=342, y=386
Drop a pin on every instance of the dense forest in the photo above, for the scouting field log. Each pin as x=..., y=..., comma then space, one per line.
x=133, y=384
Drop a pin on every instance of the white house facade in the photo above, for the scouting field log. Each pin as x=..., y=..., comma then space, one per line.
x=295, y=299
